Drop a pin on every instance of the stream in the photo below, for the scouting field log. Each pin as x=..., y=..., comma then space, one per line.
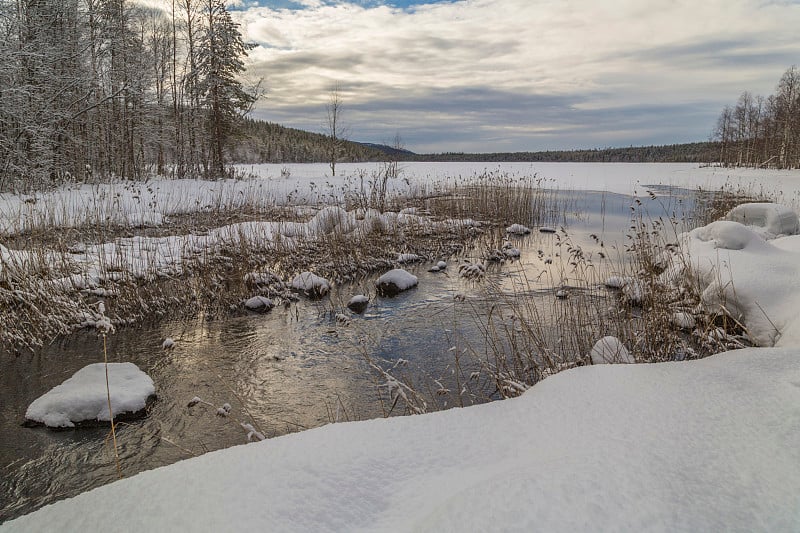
x=294, y=368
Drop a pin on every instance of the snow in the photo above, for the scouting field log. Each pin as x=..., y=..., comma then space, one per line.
x=408, y=258
x=311, y=284
x=755, y=280
x=518, y=229
x=610, y=350
x=83, y=397
x=399, y=278
x=706, y=445
x=358, y=303
x=774, y=218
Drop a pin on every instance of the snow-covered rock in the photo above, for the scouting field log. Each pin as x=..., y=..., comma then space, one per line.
x=83, y=397
x=311, y=285
x=395, y=281
x=610, y=350
x=518, y=229
x=259, y=303
x=775, y=218
x=358, y=303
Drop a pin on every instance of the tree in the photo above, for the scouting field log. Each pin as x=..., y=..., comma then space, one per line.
x=221, y=50
x=334, y=128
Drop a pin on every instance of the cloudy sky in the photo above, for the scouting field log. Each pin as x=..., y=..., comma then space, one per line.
x=512, y=75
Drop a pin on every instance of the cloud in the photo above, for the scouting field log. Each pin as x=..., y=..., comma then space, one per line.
x=519, y=74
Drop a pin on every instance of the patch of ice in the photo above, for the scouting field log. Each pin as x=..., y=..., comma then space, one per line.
x=83, y=397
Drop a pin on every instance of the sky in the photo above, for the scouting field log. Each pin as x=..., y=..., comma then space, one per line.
x=516, y=75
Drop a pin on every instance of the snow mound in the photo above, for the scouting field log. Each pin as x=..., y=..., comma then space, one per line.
x=727, y=235
x=311, y=285
x=756, y=281
x=518, y=229
x=332, y=219
x=395, y=281
x=610, y=350
x=82, y=398
x=775, y=218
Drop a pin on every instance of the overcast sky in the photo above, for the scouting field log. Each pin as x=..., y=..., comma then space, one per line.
x=513, y=75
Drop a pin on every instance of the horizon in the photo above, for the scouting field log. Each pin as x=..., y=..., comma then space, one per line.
x=513, y=75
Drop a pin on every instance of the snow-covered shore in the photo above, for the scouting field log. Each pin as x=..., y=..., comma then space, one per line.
x=706, y=445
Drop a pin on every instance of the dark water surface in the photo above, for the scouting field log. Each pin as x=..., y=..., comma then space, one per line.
x=294, y=368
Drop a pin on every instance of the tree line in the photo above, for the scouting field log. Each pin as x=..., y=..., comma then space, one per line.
x=116, y=88
x=762, y=132
x=702, y=152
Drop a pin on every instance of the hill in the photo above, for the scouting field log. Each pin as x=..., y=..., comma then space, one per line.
x=267, y=142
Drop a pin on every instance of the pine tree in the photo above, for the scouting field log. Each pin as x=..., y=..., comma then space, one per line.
x=221, y=51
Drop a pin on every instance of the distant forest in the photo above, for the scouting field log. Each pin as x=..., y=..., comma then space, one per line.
x=265, y=142
x=762, y=132
x=703, y=152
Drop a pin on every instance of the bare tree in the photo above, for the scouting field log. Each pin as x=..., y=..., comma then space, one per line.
x=334, y=128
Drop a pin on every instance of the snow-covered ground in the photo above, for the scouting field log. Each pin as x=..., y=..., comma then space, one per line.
x=136, y=203
x=702, y=445
x=707, y=445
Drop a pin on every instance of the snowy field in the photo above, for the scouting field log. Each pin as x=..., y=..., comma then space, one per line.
x=704, y=445
x=149, y=204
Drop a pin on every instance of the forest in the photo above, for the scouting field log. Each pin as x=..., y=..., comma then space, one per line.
x=114, y=88
x=762, y=131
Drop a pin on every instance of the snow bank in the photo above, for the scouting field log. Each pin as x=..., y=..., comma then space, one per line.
x=706, y=445
x=774, y=218
x=82, y=398
x=756, y=280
